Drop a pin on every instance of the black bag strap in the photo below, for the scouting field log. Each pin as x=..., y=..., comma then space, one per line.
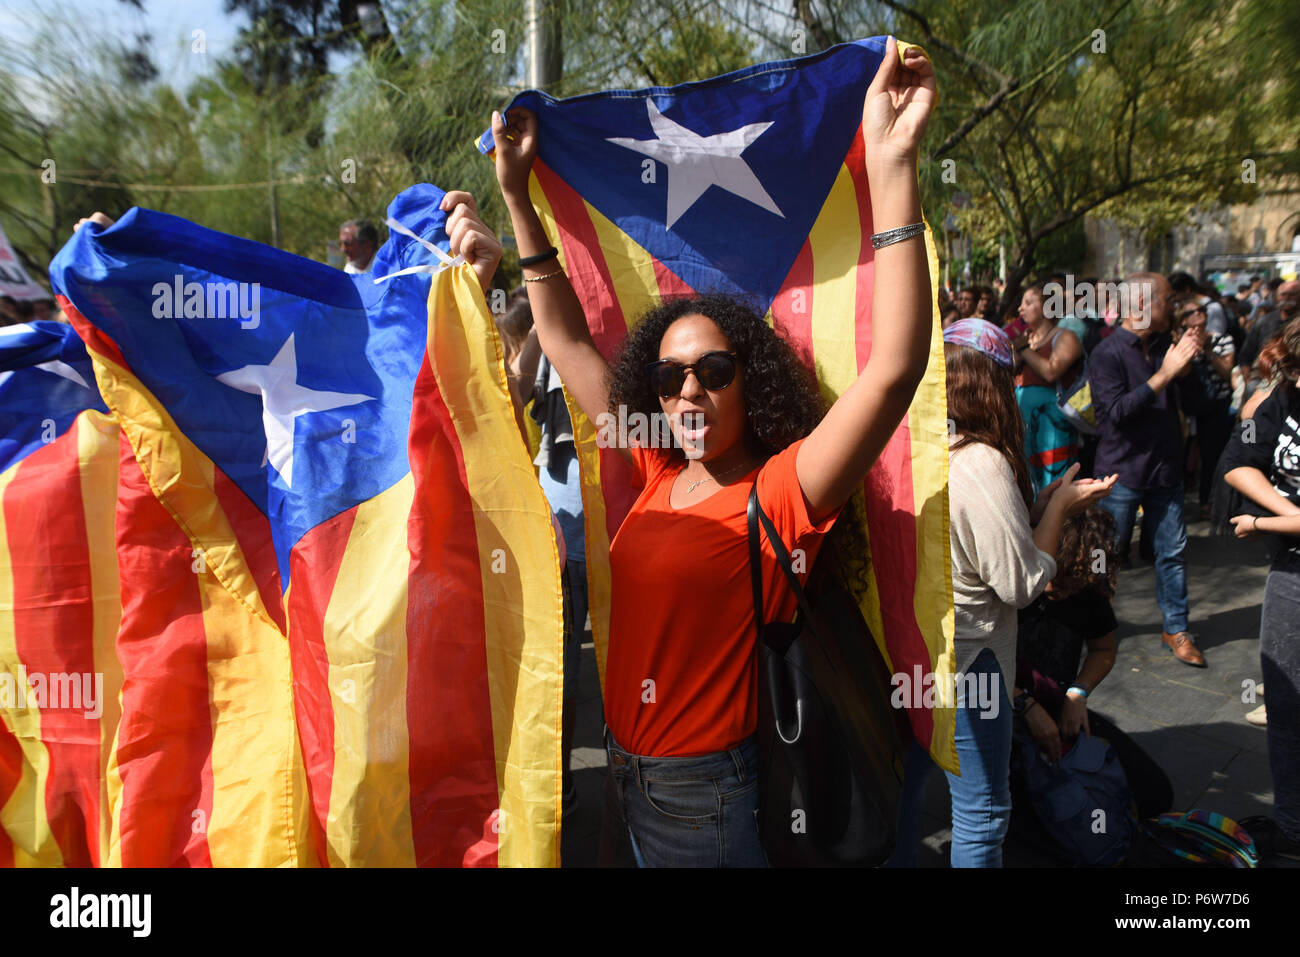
x=755, y=559
x=756, y=515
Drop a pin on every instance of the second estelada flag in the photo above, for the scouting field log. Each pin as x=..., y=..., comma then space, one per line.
x=60, y=677
x=754, y=184
x=343, y=459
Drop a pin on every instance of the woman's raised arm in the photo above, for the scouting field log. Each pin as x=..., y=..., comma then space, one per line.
x=557, y=313
x=835, y=458
x=1066, y=350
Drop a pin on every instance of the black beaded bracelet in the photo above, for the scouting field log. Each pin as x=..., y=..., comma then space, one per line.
x=539, y=258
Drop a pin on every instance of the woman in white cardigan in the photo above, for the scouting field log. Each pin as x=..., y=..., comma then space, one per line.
x=1003, y=556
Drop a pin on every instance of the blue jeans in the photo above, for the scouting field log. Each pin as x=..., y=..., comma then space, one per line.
x=687, y=812
x=1165, y=506
x=981, y=794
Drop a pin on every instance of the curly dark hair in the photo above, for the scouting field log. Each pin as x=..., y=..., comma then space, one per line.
x=1086, y=557
x=782, y=402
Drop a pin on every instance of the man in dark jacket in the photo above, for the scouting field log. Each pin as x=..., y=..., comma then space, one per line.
x=1140, y=439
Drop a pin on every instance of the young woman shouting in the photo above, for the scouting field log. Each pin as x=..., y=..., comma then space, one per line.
x=681, y=683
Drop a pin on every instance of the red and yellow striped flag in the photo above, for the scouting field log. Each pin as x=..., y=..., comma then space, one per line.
x=59, y=673
x=117, y=656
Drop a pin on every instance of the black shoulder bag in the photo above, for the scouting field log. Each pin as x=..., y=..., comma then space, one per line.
x=830, y=748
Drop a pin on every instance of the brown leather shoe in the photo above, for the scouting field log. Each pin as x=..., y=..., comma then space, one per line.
x=1183, y=648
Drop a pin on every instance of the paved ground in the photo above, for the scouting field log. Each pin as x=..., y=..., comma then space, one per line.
x=1189, y=719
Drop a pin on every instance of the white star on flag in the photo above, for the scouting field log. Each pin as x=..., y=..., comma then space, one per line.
x=697, y=162
x=283, y=400
x=56, y=366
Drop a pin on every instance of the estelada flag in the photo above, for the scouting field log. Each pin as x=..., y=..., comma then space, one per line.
x=59, y=678
x=117, y=661
x=106, y=750
x=132, y=681
x=340, y=457
x=754, y=184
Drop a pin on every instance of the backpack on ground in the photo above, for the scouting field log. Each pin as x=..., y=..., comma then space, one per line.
x=1083, y=801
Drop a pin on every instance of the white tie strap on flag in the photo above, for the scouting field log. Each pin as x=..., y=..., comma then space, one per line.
x=444, y=261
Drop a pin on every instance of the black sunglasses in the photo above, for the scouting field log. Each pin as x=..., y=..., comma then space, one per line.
x=714, y=370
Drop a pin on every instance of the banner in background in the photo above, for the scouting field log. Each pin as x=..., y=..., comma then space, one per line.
x=14, y=280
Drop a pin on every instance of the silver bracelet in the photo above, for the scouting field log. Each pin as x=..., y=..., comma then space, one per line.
x=891, y=236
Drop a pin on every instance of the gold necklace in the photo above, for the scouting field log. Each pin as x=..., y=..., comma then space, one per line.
x=692, y=486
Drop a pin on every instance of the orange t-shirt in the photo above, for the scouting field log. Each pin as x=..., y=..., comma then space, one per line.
x=681, y=678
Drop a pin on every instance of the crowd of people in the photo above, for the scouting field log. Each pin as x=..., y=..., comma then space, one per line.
x=14, y=311
x=1189, y=390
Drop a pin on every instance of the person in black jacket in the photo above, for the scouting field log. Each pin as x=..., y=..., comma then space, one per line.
x=1262, y=462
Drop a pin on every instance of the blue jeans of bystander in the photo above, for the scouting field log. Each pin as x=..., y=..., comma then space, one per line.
x=1165, y=506
x=981, y=794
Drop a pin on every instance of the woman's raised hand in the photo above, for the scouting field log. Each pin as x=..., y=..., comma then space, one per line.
x=897, y=107
x=560, y=321
x=835, y=459
x=470, y=237
x=515, y=136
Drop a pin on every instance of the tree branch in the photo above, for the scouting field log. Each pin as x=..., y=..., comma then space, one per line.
x=803, y=10
x=956, y=136
x=934, y=42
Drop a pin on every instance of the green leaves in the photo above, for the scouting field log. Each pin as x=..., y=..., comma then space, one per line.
x=1139, y=110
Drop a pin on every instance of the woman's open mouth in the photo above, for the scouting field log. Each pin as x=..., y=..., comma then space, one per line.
x=695, y=428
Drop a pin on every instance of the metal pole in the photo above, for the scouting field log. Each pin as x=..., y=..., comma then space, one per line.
x=545, y=52
x=270, y=183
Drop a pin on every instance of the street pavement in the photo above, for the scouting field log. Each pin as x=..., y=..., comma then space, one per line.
x=1190, y=720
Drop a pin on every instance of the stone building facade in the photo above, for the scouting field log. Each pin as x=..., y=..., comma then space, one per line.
x=1223, y=243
